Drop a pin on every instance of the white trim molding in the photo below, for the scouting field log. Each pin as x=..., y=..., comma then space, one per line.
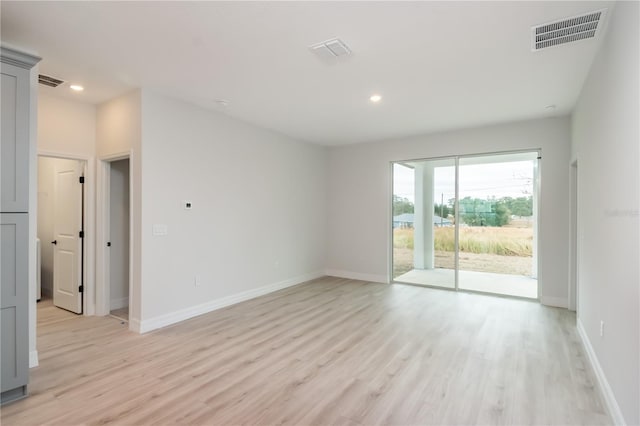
x=33, y=359
x=18, y=58
x=64, y=155
x=383, y=279
x=134, y=324
x=607, y=392
x=88, y=307
x=102, y=281
x=122, y=155
x=160, y=321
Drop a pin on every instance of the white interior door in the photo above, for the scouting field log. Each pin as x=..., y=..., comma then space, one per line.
x=67, y=253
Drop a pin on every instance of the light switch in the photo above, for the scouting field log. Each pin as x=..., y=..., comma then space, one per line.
x=160, y=229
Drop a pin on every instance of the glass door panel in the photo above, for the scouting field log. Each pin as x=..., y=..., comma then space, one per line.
x=497, y=214
x=423, y=222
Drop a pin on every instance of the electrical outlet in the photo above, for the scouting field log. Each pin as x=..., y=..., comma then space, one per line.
x=196, y=281
x=601, y=328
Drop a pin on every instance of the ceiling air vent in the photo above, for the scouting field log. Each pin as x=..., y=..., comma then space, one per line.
x=49, y=81
x=331, y=49
x=567, y=30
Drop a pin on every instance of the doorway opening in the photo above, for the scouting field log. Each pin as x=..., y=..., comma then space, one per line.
x=60, y=243
x=117, y=241
x=467, y=223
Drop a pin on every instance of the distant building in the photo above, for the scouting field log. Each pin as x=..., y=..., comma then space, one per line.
x=405, y=220
x=441, y=221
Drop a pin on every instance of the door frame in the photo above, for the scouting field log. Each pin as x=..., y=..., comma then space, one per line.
x=573, y=242
x=536, y=211
x=103, y=217
x=88, y=252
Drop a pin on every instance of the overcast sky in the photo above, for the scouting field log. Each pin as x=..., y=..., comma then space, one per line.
x=514, y=179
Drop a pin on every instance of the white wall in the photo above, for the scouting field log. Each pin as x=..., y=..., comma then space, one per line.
x=118, y=125
x=258, y=216
x=119, y=234
x=66, y=127
x=606, y=143
x=360, y=193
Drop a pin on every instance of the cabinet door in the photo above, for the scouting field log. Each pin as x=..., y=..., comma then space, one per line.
x=14, y=291
x=14, y=154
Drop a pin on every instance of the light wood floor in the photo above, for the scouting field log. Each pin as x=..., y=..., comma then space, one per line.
x=122, y=313
x=332, y=351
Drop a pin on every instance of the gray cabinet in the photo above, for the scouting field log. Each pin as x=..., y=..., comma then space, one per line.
x=15, y=318
x=15, y=121
x=15, y=139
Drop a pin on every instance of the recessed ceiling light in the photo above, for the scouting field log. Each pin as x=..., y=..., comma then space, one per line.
x=375, y=98
x=76, y=88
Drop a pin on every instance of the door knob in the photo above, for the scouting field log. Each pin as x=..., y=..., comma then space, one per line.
x=54, y=242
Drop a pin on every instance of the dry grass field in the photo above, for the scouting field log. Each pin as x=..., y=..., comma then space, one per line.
x=506, y=250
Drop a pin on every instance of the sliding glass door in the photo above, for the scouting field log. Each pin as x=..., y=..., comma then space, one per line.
x=467, y=223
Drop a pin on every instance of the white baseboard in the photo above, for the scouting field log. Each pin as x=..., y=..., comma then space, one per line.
x=609, y=398
x=558, y=302
x=357, y=276
x=119, y=303
x=160, y=321
x=33, y=359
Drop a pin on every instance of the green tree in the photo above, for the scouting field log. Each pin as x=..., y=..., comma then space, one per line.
x=401, y=205
x=442, y=210
x=501, y=214
x=521, y=206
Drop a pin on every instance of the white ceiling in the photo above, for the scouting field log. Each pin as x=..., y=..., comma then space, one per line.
x=438, y=65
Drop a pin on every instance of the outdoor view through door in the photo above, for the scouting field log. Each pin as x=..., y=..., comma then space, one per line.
x=467, y=223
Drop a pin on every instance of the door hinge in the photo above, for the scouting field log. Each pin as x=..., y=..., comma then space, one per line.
x=81, y=179
x=81, y=289
x=81, y=234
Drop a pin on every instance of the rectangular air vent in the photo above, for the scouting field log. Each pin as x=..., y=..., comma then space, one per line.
x=331, y=49
x=567, y=30
x=49, y=81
